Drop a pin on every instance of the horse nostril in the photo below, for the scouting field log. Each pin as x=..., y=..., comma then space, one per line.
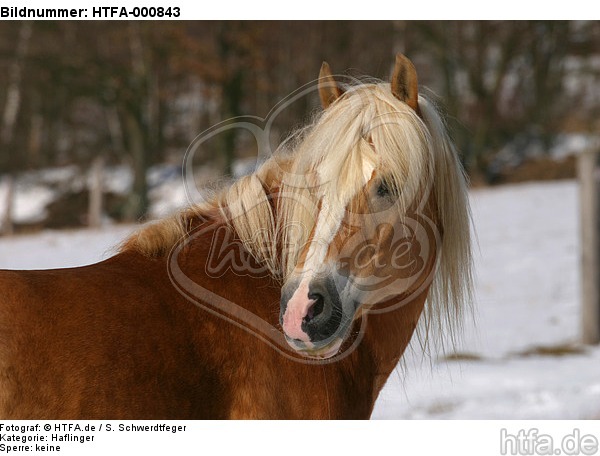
x=317, y=308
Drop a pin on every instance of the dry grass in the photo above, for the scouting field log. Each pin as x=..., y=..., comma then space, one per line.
x=461, y=356
x=539, y=350
x=552, y=350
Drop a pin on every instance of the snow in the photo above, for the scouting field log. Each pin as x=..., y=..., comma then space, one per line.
x=30, y=203
x=59, y=249
x=527, y=303
x=572, y=144
x=34, y=190
x=527, y=300
x=167, y=192
x=117, y=179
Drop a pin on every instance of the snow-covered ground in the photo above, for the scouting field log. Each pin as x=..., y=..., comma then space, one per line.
x=520, y=359
x=34, y=190
x=526, y=313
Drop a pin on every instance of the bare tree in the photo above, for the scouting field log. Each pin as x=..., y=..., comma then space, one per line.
x=95, y=187
x=9, y=115
x=501, y=79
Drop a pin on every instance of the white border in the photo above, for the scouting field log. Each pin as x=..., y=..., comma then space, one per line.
x=319, y=10
x=290, y=438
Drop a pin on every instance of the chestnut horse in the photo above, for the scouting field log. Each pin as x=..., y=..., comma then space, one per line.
x=292, y=293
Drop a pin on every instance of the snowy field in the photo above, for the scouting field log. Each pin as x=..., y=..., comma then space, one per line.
x=520, y=359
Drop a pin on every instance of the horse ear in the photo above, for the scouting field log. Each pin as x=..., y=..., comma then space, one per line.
x=404, y=82
x=328, y=88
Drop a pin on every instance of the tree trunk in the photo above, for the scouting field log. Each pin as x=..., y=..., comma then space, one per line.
x=231, y=94
x=13, y=92
x=95, y=192
x=137, y=204
x=6, y=225
x=35, y=140
x=114, y=128
x=135, y=118
x=9, y=117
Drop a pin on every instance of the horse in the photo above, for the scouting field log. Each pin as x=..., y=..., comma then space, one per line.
x=291, y=293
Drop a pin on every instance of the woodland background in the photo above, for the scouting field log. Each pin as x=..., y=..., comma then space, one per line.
x=135, y=94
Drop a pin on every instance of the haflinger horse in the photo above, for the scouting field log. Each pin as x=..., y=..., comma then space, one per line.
x=290, y=294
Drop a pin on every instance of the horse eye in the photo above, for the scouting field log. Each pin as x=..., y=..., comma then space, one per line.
x=383, y=190
x=387, y=189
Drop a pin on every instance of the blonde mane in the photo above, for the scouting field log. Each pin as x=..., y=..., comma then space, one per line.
x=368, y=126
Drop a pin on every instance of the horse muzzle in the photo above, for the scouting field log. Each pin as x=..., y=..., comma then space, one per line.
x=313, y=317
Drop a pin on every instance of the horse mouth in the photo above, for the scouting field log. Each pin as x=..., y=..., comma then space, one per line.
x=309, y=350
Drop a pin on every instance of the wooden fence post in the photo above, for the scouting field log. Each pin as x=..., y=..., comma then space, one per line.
x=589, y=177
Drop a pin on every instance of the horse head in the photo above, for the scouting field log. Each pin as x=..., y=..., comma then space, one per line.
x=377, y=165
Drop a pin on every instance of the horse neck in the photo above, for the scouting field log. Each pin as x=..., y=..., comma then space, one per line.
x=389, y=332
x=215, y=259
x=388, y=335
x=386, y=338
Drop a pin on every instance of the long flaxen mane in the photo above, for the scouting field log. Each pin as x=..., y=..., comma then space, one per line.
x=367, y=128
